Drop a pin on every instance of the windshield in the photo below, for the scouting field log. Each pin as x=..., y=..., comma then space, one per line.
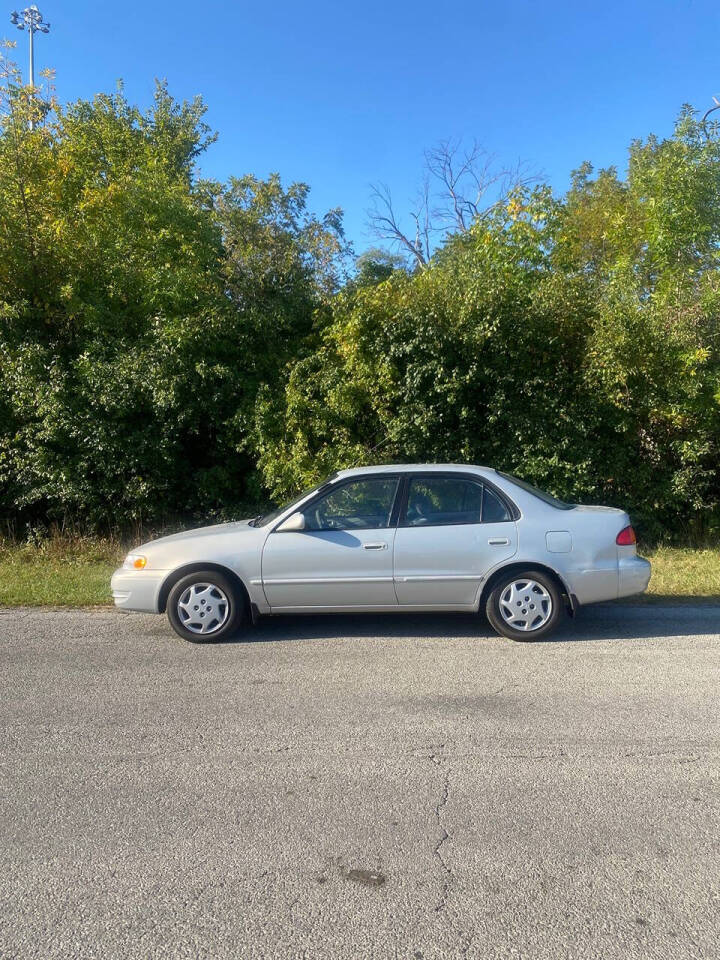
x=536, y=492
x=274, y=514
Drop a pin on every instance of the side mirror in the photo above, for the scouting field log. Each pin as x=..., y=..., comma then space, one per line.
x=296, y=521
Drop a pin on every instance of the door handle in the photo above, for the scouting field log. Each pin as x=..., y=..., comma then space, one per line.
x=375, y=546
x=498, y=541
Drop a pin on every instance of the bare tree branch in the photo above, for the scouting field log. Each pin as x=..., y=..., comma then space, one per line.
x=385, y=224
x=461, y=185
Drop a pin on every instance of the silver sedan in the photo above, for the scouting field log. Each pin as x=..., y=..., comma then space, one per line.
x=388, y=539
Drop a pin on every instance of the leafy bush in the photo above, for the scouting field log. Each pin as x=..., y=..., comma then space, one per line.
x=570, y=340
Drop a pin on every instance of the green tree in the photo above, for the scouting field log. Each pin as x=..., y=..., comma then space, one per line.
x=572, y=340
x=140, y=311
x=651, y=245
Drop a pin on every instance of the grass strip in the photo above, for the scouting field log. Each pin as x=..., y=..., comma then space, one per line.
x=76, y=573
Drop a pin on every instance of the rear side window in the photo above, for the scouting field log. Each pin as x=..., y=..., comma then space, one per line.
x=493, y=510
x=444, y=501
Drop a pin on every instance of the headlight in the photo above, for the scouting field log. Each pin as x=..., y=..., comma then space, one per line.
x=134, y=561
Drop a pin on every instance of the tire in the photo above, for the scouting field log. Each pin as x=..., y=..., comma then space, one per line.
x=536, y=617
x=205, y=606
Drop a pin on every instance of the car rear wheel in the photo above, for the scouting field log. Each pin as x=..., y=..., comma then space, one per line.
x=524, y=605
x=205, y=606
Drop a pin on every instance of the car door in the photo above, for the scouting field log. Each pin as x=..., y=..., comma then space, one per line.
x=452, y=530
x=343, y=558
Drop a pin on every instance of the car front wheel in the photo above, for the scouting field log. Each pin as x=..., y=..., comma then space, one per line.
x=525, y=605
x=205, y=606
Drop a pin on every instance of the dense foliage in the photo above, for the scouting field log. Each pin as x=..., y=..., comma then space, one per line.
x=170, y=346
x=140, y=312
x=573, y=341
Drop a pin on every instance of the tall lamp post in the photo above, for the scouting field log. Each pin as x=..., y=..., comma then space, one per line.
x=30, y=19
x=703, y=122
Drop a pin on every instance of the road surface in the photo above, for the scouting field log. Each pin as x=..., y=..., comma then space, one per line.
x=406, y=786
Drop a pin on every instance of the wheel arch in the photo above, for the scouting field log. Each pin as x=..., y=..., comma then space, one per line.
x=517, y=567
x=180, y=572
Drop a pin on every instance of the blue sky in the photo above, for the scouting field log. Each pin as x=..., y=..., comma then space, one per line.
x=340, y=95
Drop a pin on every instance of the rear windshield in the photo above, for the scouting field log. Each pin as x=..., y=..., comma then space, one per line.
x=536, y=492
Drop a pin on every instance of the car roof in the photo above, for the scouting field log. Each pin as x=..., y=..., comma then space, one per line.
x=415, y=467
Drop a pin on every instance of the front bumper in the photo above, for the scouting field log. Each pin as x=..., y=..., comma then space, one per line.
x=634, y=575
x=137, y=589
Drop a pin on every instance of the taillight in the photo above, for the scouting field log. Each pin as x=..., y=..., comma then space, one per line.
x=626, y=537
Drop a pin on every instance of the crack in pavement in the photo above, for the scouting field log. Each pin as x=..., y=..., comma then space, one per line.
x=438, y=759
x=444, y=837
x=466, y=938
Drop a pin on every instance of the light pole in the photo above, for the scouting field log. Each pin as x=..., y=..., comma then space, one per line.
x=703, y=122
x=31, y=19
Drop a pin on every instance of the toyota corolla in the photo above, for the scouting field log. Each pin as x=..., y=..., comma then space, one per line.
x=388, y=539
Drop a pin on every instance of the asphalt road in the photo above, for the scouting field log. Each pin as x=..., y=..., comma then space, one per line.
x=401, y=786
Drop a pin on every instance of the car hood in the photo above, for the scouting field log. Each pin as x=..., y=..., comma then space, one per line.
x=216, y=530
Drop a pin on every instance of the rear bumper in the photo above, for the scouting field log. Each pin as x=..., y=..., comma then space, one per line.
x=633, y=575
x=137, y=589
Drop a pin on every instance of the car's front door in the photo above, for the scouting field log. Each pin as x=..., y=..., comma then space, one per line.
x=452, y=531
x=343, y=558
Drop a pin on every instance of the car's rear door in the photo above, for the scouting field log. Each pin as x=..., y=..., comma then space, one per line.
x=453, y=528
x=343, y=558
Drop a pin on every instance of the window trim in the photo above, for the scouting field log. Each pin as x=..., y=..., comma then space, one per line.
x=478, y=479
x=328, y=488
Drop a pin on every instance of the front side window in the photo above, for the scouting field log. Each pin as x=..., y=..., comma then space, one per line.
x=443, y=501
x=360, y=505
